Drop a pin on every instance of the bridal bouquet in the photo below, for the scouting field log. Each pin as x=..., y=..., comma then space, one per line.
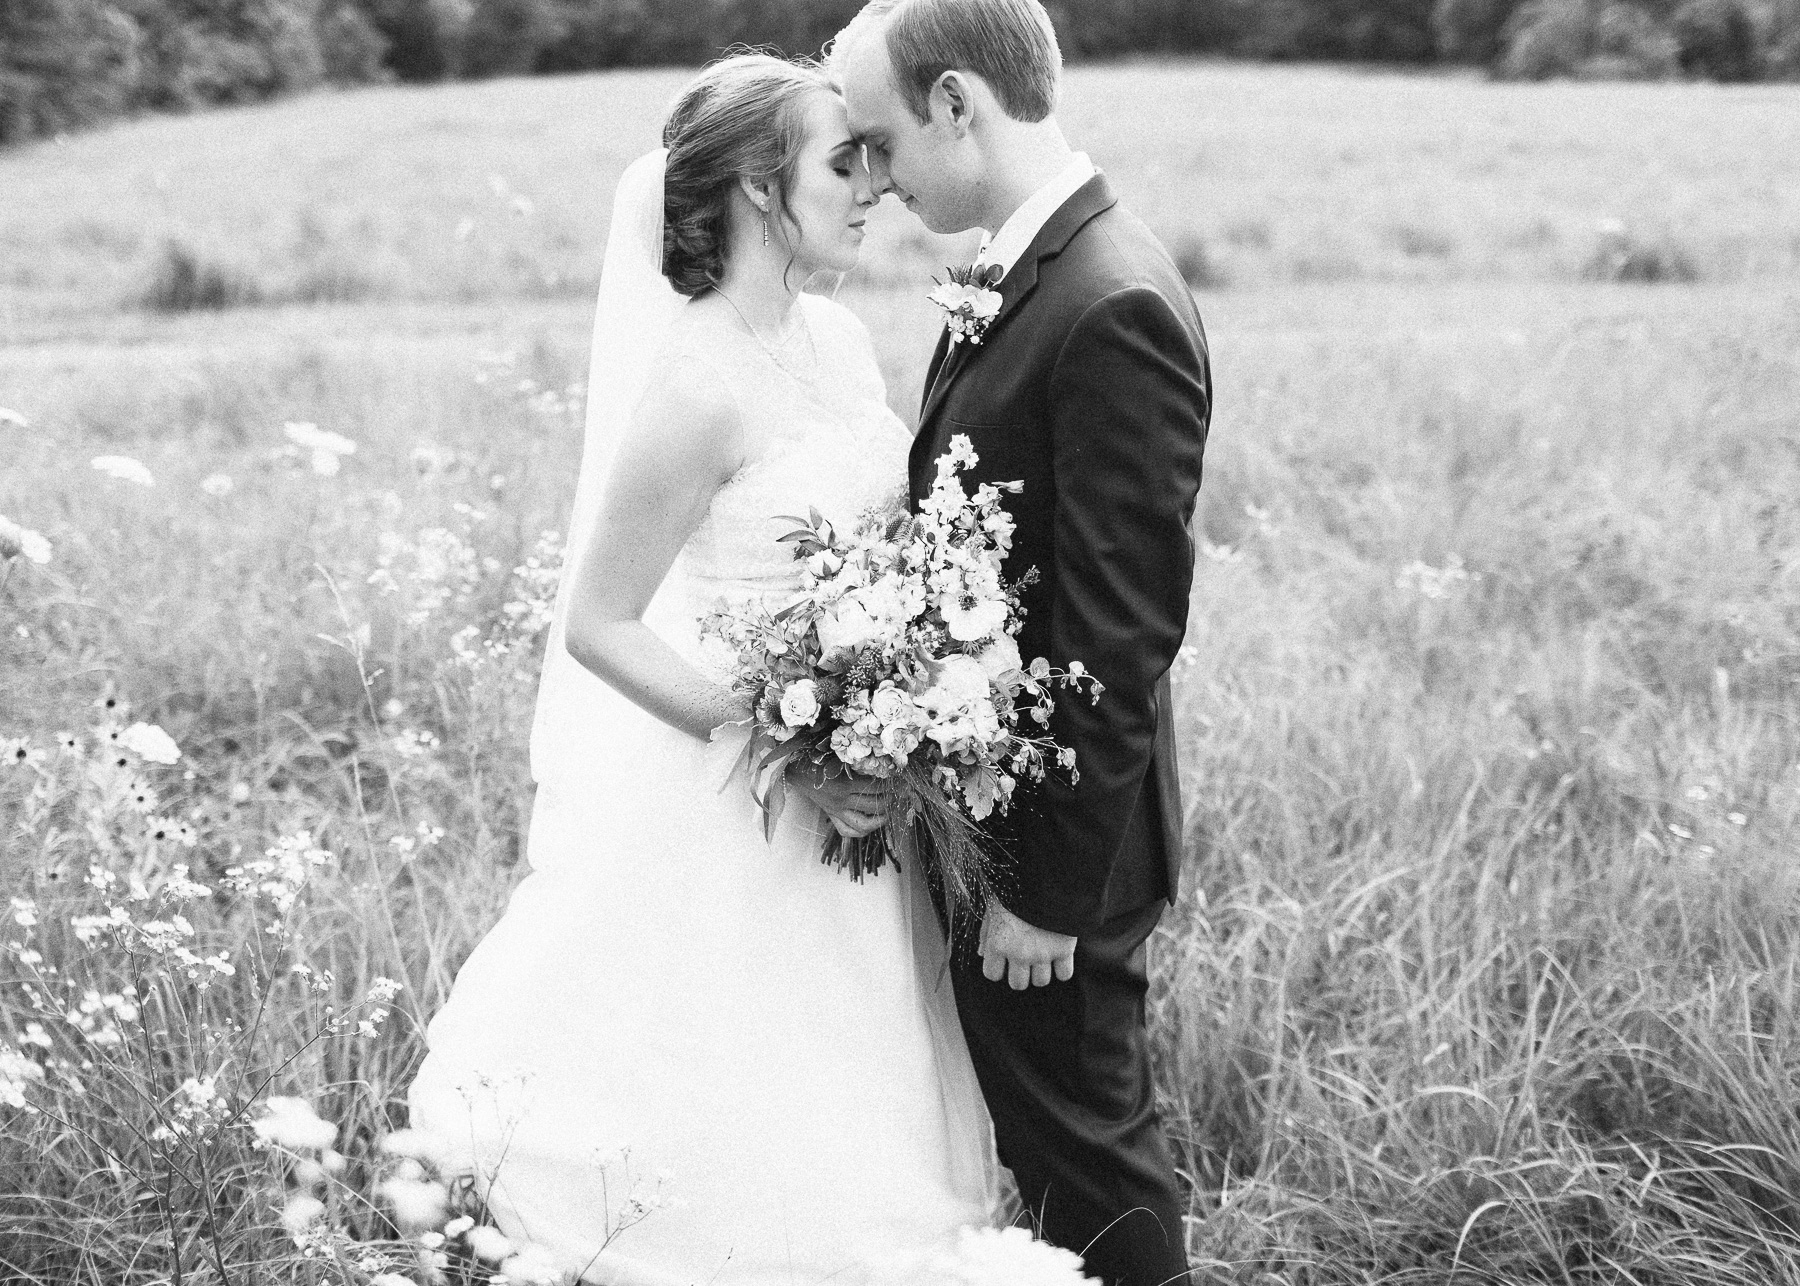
x=897, y=661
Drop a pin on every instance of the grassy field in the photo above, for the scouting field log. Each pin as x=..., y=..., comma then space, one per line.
x=1486, y=965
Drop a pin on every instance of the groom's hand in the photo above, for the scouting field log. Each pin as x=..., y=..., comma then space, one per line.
x=857, y=806
x=1023, y=954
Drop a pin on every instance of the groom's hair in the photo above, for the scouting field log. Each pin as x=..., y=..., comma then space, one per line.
x=1010, y=44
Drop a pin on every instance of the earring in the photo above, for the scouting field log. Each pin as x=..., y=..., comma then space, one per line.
x=765, y=223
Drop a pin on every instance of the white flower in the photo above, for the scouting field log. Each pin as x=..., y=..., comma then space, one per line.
x=327, y=448
x=971, y=618
x=12, y=419
x=417, y=1203
x=800, y=704
x=301, y=1213
x=458, y=1226
x=391, y=1279
x=1000, y=658
x=291, y=1123
x=383, y=990
x=16, y=540
x=847, y=625
x=216, y=484
x=124, y=468
x=489, y=1243
x=147, y=741
x=957, y=682
x=892, y=706
x=533, y=1266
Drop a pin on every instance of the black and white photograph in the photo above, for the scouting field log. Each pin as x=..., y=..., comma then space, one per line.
x=900, y=642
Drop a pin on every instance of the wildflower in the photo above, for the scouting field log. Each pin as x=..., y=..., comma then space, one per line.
x=533, y=1266
x=147, y=741
x=12, y=419
x=124, y=469
x=24, y=912
x=302, y=1212
x=383, y=990
x=217, y=484
x=458, y=1226
x=16, y=540
x=327, y=448
x=17, y=1074
x=391, y=1279
x=291, y=1123
x=489, y=1243
x=417, y=1203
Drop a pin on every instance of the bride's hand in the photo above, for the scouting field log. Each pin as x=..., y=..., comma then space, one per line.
x=857, y=806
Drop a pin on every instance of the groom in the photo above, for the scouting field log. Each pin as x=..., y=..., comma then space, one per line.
x=1091, y=385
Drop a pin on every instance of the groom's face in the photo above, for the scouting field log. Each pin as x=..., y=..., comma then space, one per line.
x=920, y=162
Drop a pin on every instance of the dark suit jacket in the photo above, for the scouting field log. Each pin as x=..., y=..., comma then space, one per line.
x=1093, y=387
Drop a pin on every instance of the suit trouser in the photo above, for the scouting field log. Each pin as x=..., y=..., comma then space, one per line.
x=1065, y=1069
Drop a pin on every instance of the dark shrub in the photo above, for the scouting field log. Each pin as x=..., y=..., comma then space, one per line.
x=1470, y=30
x=1623, y=256
x=1547, y=38
x=1716, y=38
x=505, y=37
x=1196, y=266
x=352, y=50
x=63, y=63
x=183, y=280
x=425, y=37
x=1630, y=44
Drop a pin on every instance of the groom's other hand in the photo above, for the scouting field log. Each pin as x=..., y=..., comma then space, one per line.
x=1023, y=954
x=857, y=806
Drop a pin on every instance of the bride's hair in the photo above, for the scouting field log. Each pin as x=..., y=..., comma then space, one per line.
x=739, y=118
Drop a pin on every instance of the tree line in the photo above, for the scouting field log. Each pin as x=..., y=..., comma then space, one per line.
x=69, y=63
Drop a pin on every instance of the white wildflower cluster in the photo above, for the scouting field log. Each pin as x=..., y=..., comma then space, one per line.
x=152, y=919
x=432, y=570
x=525, y=615
x=122, y=468
x=432, y=1212
x=195, y=1108
x=986, y=1257
x=322, y=449
x=1426, y=581
x=19, y=1073
x=280, y=874
x=288, y=1127
x=22, y=542
x=499, y=373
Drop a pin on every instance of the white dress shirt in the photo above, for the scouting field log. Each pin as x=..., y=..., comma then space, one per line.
x=1005, y=246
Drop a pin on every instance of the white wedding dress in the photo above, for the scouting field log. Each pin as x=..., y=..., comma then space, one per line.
x=687, y=1054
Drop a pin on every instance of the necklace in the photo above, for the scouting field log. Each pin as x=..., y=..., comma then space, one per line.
x=805, y=380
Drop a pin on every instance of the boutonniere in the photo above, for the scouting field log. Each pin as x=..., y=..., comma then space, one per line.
x=969, y=300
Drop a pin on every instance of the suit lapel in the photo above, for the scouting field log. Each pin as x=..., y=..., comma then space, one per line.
x=1088, y=200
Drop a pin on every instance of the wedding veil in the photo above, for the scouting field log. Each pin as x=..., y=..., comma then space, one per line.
x=632, y=319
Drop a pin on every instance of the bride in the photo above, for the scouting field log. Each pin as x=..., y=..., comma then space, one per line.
x=686, y=1053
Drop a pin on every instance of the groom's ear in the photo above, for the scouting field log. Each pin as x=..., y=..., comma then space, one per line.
x=952, y=101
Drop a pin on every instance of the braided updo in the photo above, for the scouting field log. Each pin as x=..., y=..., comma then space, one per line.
x=740, y=118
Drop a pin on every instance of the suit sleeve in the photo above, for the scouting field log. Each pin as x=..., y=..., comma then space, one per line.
x=1130, y=400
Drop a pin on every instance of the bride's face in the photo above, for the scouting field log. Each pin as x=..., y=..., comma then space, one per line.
x=831, y=195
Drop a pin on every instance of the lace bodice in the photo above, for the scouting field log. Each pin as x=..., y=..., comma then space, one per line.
x=818, y=434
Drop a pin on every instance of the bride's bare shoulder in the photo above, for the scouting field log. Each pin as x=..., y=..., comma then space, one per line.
x=688, y=410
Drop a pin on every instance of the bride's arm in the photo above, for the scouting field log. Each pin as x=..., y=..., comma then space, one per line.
x=684, y=443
